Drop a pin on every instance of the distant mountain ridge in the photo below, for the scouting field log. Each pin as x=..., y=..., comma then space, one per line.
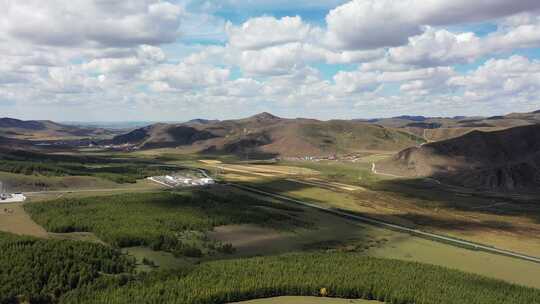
x=500, y=160
x=442, y=128
x=270, y=135
x=45, y=129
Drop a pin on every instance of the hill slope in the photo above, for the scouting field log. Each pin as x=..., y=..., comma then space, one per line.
x=502, y=160
x=271, y=135
x=45, y=129
x=442, y=128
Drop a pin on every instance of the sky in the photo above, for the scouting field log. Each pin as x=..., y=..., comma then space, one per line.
x=152, y=60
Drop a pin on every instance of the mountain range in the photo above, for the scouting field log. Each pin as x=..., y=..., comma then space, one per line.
x=499, y=152
x=46, y=130
x=267, y=134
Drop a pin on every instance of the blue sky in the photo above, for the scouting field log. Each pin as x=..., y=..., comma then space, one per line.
x=181, y=59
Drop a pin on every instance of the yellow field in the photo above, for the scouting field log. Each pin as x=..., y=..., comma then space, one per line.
x=335, y=233
x=261, y=170
x=511, y=232
x=15, y=220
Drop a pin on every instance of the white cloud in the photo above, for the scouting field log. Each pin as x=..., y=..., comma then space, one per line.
x=516, y=76
x=442, y=47
x=127, y=67
x=274, y=60
x=427, y=78
x=120, y=56
x=184, y=76
x=368, y=24
x=91, y=23
x=438, y=47
x=261, y=32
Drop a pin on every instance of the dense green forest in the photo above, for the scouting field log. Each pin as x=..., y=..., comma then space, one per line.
x=169, y=221
x=53, y=271
x=120, y=171
x=344, y=275
x=40, y=271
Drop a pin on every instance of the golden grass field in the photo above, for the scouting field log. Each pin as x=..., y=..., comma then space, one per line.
x=335, y=233
x=479, y=223
x=14, y=219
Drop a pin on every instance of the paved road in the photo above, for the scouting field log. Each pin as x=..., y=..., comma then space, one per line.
x=436, y=237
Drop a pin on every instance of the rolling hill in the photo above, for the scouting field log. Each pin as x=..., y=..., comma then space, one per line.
x=271, y=135
x=46, y=130
x=500, y=160
x=442, y=128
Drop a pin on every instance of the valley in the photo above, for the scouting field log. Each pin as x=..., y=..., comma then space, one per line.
x=267, y=205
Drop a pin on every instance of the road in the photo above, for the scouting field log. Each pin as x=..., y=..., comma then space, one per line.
x=433, y=236
x=86, y=190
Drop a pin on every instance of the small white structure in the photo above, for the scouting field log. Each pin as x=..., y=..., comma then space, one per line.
x=12, y=198
x=207, y=181
x=179, y=180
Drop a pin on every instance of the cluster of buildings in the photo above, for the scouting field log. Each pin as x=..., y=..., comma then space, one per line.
x=353, y=157
x=174, y=181
x=190, y=181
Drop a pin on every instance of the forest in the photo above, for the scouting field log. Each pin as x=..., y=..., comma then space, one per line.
x=120, y=171
x=40, y=271
x=168, y=221
x=54, y=271
x=344, y=275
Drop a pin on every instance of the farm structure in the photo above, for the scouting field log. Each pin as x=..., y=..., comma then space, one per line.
x=6, y=198
x=179, y=180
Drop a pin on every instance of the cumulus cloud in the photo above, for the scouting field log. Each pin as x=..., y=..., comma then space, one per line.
x=356, y=81
x=515, y=76
x=184, y=76
x=257, y=33
x=372, y=57
x=91, y=23
x=368, y=24
x=442, y=47
x=127, y=67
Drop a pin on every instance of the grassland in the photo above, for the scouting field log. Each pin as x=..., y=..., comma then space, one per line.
x=508, y=222
x=14, y=219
